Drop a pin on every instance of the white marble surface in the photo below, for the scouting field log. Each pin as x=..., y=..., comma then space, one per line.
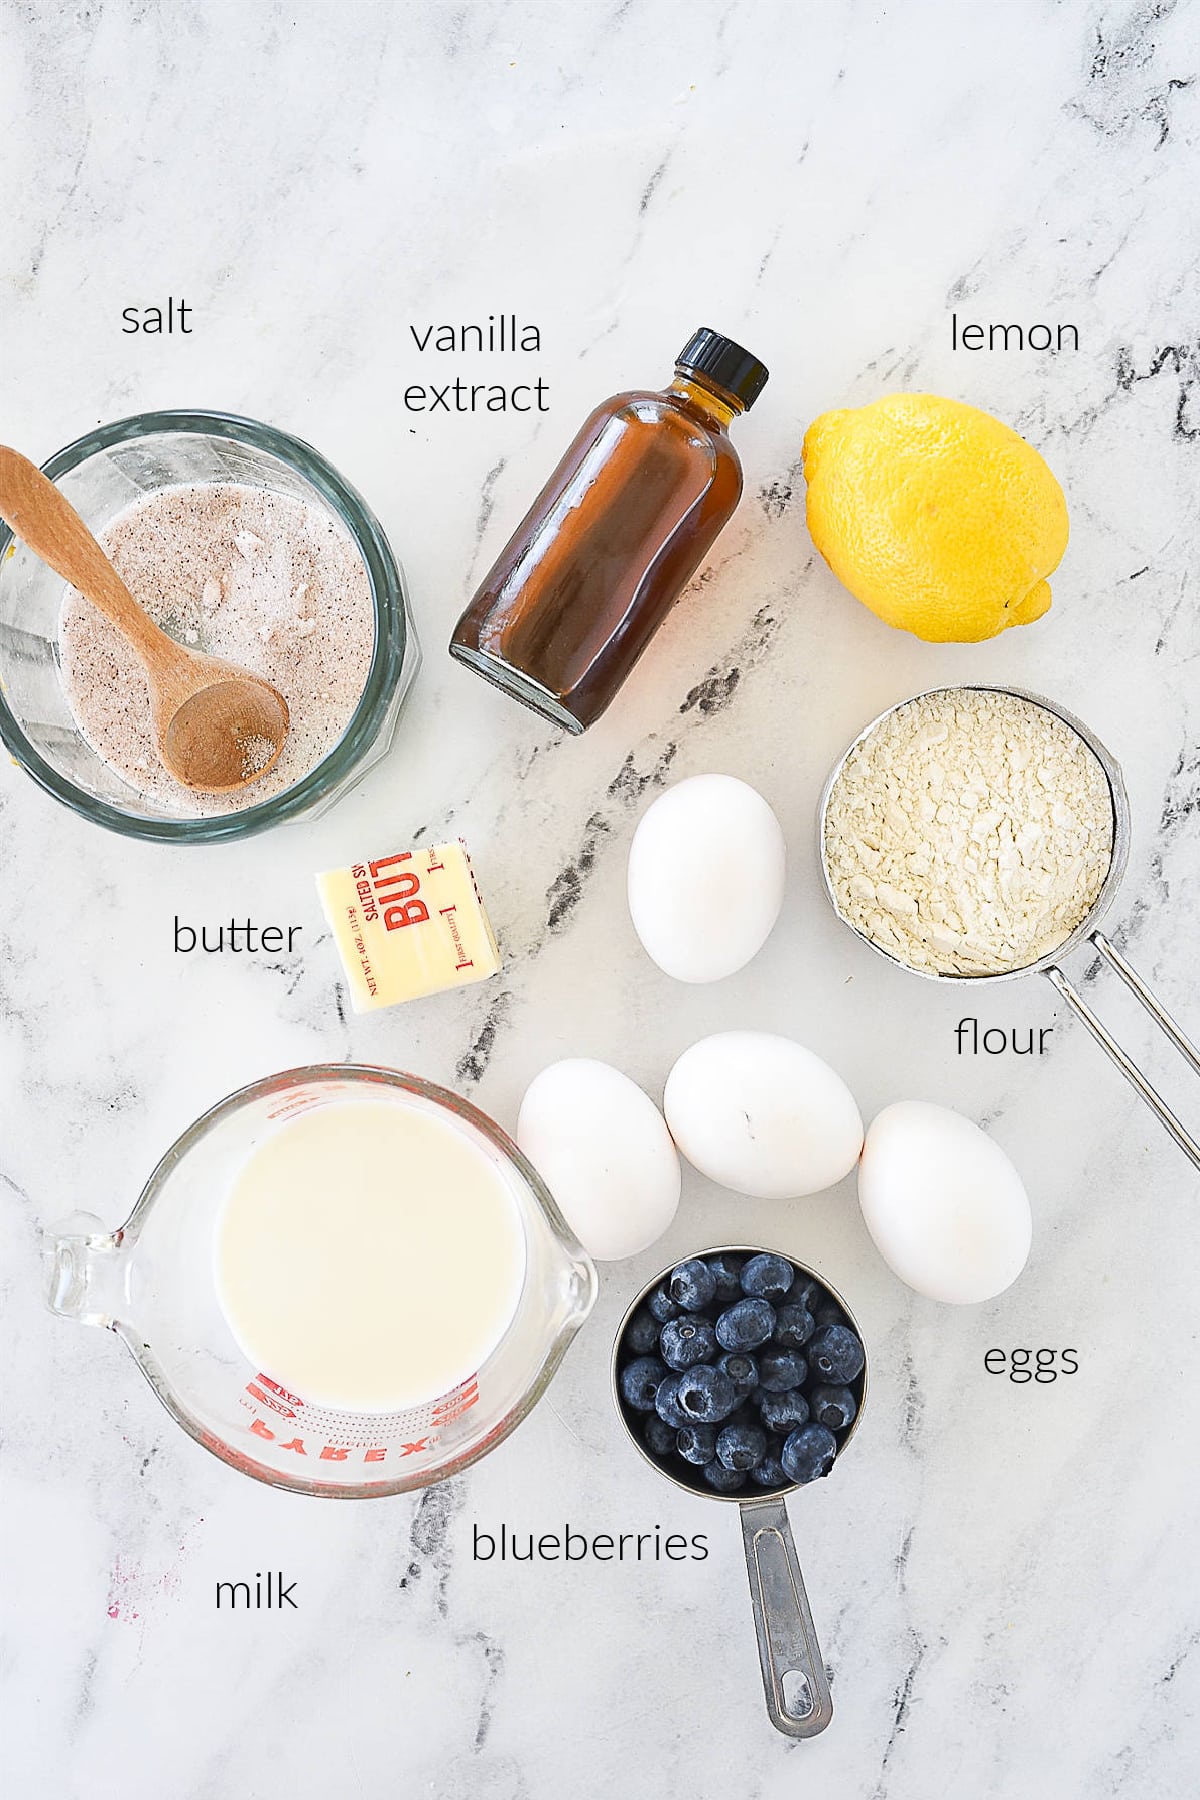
x=1005, y=1577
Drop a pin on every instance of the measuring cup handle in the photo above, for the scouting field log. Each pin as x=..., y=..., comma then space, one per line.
x=799, y=1702
x=1115, y=1052
x=87, y=1273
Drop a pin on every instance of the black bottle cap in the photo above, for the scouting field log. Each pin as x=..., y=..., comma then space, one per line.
x=725, y=364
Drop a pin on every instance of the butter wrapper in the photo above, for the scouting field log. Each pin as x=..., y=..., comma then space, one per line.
x=409, y=925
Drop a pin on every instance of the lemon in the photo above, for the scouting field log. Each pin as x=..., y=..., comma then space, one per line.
x=934, y=514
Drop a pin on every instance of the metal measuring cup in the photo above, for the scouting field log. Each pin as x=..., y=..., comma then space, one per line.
x=1048, y=965
x=799, y=1702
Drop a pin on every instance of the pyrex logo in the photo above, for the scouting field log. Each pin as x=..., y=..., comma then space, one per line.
x=374, y=1453
x=451, y=1407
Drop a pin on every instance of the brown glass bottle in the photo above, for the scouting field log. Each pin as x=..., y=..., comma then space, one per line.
x=620, y=527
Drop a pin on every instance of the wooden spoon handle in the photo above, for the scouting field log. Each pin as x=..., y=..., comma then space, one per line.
x=44, y=519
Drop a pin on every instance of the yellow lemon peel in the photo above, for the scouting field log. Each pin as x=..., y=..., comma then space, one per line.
x=938, y=517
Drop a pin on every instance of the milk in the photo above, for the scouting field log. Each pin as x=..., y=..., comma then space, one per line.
x=369, y=1256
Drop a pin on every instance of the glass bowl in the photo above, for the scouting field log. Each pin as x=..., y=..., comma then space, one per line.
x=101, y=474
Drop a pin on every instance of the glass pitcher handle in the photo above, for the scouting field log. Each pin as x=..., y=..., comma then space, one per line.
x=86, y=1271
x=799, y=1702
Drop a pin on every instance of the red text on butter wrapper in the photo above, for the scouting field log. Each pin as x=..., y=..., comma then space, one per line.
x=391, y=896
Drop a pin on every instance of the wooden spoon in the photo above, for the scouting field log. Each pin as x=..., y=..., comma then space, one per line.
x=216, y=727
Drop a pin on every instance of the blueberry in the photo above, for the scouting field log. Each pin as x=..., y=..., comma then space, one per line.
x=746, y=1325
x=640, y=1382
x=666, y=1402
x=725, y=1481
x=807, y=1292
x=834, y=1353
x=767, y=1277
x=808, y=1454
x=783, y=1412
x=687, y=1341
x=660, y=1305
x=692, y=1285
x=727, y=1268
x=705, y=1394
x=697, y=1443
x=741, y=1369
x=834, y=1407
x=779, y=1370
x=742, y=1446
x=794, y=1325
x=828, y=1312
x=659, y=1436
x=745, y=1413
x=770, y=1473
x=641, y=1333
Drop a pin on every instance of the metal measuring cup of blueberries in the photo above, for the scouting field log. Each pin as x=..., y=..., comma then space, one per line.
x=1089, y=915
x=740, y=1374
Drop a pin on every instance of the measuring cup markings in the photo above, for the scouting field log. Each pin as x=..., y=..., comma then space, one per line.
x=411, y=1434
x=795, y=1683
x=1087, y=928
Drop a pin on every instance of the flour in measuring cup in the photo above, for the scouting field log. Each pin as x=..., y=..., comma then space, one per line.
x=969, y=833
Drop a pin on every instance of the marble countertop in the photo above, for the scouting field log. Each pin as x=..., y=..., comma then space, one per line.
x=1004, y=1577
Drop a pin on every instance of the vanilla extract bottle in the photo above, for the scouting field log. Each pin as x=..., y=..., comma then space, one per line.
x=616, y=533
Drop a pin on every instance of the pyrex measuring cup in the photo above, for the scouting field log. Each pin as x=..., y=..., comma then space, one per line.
x=799, y=1701
x=1087, y=927
x=152, y=1281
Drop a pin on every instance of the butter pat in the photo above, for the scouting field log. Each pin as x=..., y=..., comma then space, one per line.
x=409, y=925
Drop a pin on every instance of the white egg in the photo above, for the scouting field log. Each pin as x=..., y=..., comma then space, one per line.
x=706, y=870
x=947, y=1210
x=600, y=1145
x=762, y=1115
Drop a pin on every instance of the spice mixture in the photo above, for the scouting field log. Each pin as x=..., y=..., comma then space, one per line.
x=267, y=581
x=969, y=833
